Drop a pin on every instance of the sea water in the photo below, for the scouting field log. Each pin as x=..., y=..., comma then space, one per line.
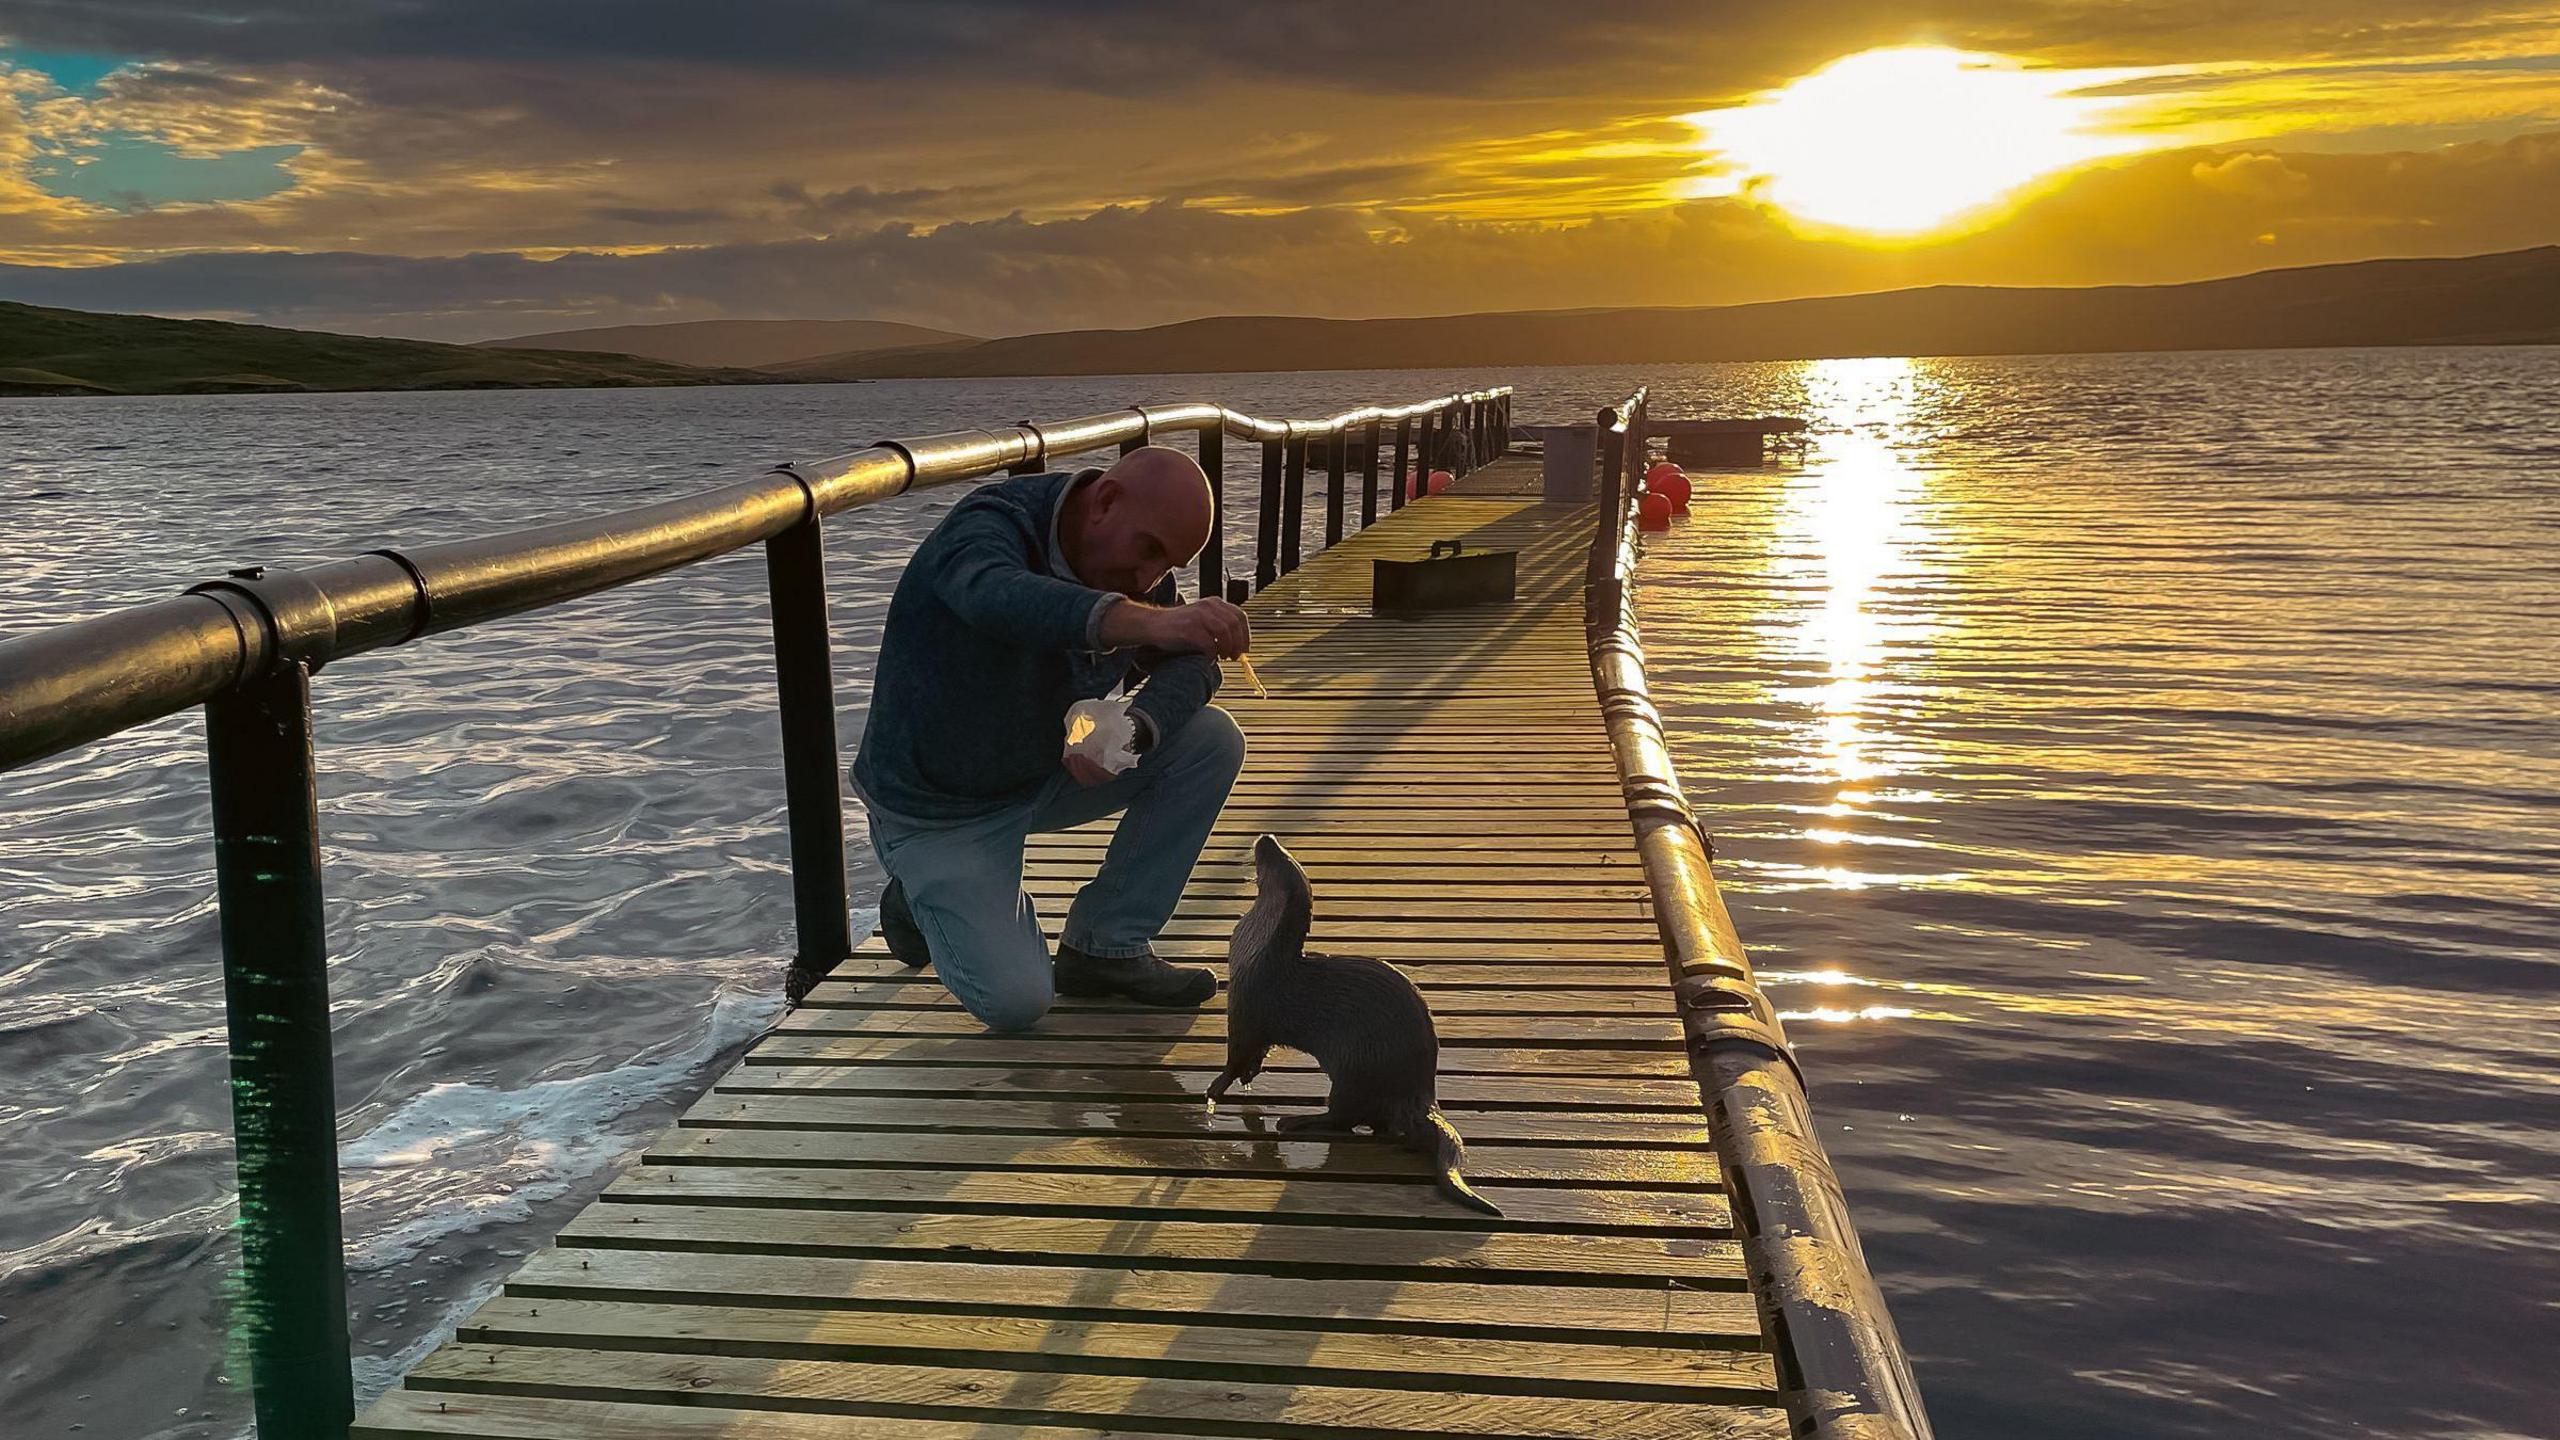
x=2137, y=777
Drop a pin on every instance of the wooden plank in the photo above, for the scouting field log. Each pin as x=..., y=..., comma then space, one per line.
x=1688, y=1315
x=452, y=1414
x=1611, y=1031
x=1402, y=951
x=994, y=1396
x=1334, y=874
x=1351, y=932
x=1485, y=1130
x=1513, y=863
x=1202, y=1349
x=1036, y=1052
x=1391, y=839
x=1543, y=1209
x=1486, y=828
x=1203, y=1243
x=1233, y=1150
x=924, y=993
x=1276, y=1089
x=1396, y=900
x=871, y=962
x=1352, y=902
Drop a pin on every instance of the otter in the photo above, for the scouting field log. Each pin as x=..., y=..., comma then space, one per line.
x=1359, y=1019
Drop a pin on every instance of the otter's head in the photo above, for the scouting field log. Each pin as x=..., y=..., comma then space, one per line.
x=1275, y=927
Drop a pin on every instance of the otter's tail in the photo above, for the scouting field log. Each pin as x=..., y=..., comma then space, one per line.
x=1439, y=1139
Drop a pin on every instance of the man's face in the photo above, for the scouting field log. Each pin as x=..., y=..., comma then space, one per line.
x=1129, y=546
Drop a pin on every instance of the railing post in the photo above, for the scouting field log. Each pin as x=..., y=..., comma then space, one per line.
x=804, y=675
x=1213, y=556
x=1603, y=574
x=1293, y=502
x=1369, y=475
x=1266, y=532
x=1404, y=453
x=284, y=1109
x=1336, y=447
x=1419, y=484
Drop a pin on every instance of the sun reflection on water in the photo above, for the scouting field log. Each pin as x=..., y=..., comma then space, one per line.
x=1847, y=578
x=1853, y=529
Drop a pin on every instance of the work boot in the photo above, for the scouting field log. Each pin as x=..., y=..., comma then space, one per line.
x=899, y=931
x=1146, y=978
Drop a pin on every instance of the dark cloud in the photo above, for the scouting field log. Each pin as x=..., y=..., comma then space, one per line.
x=1424, y=45
x=823, y=212
x=1420, y=47
x=643, y=215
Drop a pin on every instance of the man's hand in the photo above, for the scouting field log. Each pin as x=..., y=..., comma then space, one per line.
x=1207, y=626
x=1086, y=772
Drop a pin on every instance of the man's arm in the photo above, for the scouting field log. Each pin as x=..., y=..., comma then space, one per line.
x=988, y=582
x=1180, y=677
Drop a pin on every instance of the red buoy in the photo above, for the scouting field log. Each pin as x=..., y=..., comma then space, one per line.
x=1674, y=487
x=1653, y=512
x=1441, y=480
x=1659, y=471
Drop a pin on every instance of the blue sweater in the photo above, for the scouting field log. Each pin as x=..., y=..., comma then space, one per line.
x=985, y=646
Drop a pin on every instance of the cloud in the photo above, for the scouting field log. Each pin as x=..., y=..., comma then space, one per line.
x=823, y=212
x=644, y=215
x=2169, y=217
x=1003, y=164
x=199, y=113
x=2252, y=176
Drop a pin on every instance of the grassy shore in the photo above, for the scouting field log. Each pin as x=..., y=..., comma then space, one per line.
x=74, y=352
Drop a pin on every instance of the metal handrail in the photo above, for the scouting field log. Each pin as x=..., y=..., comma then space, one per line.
x=85, y=680
x=246, y=647
x=1841, y=1366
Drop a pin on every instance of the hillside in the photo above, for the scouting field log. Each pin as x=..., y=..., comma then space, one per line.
x=853, y=364
x=756, y=344
x=75, y=352
x=2509, y=298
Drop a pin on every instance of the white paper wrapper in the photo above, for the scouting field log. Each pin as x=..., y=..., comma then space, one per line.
x=1104, y=732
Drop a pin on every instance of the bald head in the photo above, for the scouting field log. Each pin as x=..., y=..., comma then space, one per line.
x=1151, y=511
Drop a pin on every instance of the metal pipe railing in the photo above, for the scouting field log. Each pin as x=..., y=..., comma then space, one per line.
x=1841, y=1366
x=89, y=679
x=246, y=647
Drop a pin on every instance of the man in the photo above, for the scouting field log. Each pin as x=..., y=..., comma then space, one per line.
x=1032, y=594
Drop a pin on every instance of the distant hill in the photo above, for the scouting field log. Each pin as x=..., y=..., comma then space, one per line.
x=77, y=352
x=758, y=344
x=2511, y=298
x=849, y=364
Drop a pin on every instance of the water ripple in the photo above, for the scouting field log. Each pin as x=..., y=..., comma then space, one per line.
x=2137, y=776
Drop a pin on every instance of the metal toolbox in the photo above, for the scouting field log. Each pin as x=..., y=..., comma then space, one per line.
x=1450, y=577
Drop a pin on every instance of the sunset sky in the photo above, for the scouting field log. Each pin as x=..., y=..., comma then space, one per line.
x=458, y=169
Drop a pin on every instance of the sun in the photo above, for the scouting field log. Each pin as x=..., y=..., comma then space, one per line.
x=1911, y=140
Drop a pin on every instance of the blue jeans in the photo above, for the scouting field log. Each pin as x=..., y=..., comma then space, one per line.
x=964, y=880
